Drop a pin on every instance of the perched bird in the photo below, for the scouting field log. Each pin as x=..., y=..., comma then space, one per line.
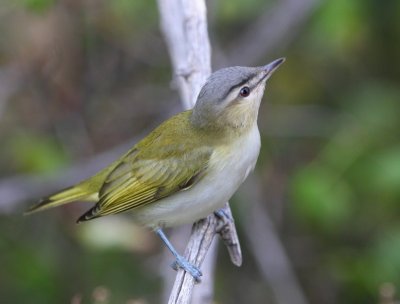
x=186, y=168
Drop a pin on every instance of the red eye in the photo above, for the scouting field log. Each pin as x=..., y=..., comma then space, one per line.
x=245, y=91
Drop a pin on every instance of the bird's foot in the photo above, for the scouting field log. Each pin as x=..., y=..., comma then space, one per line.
x=181, y=262
x=225, y=219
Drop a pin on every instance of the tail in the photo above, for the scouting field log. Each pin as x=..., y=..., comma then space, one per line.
x=65, y=196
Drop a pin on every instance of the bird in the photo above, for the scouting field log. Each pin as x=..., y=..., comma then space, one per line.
x=187, y=167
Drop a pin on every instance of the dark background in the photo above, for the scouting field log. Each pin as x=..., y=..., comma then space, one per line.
x=82, y=80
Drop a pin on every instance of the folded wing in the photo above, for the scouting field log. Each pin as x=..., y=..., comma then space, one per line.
x=141, y=178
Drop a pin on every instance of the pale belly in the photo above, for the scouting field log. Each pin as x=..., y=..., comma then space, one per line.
x=228, y=168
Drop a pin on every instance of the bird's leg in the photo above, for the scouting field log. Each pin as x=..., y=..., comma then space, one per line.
x=225, y=218
x=180, y=261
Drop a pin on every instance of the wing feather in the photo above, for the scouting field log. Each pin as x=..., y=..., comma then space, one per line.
x=137, y=181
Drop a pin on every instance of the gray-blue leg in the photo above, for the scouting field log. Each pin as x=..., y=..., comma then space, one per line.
x=180, y=260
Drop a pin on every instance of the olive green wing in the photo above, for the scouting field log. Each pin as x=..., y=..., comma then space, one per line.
x=137, y=180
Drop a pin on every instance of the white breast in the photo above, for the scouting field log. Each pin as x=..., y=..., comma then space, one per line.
x=228, y=168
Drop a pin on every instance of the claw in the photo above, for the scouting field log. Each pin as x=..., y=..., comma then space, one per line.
x=181, y=262
x=174, y=265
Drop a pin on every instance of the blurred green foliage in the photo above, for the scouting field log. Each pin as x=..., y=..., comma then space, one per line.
x=38, y=6
x=96, y=73
x=32, y=153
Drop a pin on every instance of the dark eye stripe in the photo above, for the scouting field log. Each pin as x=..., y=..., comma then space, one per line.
x=237, y=85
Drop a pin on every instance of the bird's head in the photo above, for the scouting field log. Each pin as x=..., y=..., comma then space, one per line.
x=231, y=97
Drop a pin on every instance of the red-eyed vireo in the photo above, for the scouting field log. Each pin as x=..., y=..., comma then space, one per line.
x=189, y=166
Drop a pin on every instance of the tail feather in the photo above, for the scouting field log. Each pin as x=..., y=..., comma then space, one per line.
x=91, y=214
x=62, y=197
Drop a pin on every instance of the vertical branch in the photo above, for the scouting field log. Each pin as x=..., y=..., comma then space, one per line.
x=184, y=24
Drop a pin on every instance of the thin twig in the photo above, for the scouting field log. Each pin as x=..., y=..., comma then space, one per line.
x=202, y=235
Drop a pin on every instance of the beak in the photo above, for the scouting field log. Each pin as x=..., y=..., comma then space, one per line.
x=271, y=67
